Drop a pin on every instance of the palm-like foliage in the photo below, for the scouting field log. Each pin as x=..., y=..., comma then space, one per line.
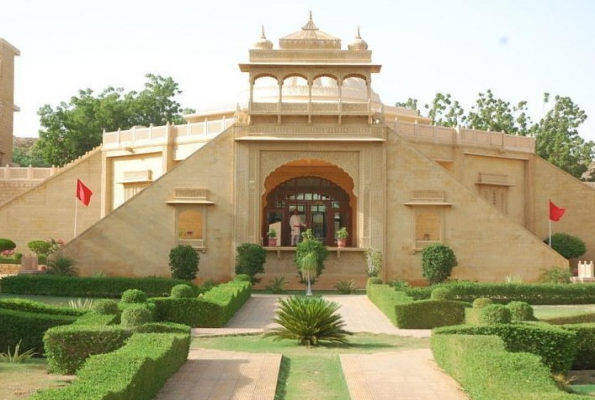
x=308, y=320
x=62, y=266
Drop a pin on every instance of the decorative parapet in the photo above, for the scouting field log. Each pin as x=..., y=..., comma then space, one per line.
x=465, y=137
x=308, y=132
x=494, y=180
x=428, y=198
x=9, y=173
x=311, y=56
x=189, y=196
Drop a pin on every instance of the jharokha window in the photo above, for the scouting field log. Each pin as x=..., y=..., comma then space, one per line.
x=190, y=225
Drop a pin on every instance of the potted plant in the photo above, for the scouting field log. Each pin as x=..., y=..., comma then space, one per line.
x=272, y=234
x=342, y=235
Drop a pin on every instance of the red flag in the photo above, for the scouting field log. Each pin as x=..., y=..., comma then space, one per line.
x=556, y=212
x=83, y=193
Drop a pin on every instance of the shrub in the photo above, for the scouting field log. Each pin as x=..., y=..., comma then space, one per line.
x=481, y=302
x=374, y=281
x=182, y=292
x=386, y=298
x=134, y=296
x=585, y=345
x=520, y=311
x=438, y=260
x=39, y=247
x=555, y=346
x=428, y=314
x=307, y=246
x=136, y=371
x=7, y=244
x=250, y=259
x=135, y=316
x=277, y=285
x=16, y=356
x=494, y=314
x=67, y=347
x=63, y=266
x=183, y=262
x=440, y=293
x=346, y=287
x=37, y=307
x=163, y=327
x=105, y=307
x=308, y=321
x=373, y=262
x=54, y=285
x=242, y=278
x=567, y=246
x=555, y=275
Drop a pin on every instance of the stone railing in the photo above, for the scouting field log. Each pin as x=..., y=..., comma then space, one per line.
x=161, y=135
x=26, y=173
x=462, y=136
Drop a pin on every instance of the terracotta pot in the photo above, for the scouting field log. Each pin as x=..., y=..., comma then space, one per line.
x=341, y=242
x=272, y=242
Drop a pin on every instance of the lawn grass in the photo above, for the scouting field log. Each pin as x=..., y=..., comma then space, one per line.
x=545, y=312
x=51, y=300
x=311, y=372
x=19, y=381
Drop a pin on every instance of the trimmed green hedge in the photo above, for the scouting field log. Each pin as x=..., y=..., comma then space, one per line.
x=31, y=306
x=571, y=319
x=96, y=319
x=212, y=310
x=428, y=314
x=585, y=345
x=555, y=346
x=136, y=371
x=27, y=327
x=487, y=371
x=53, y=285
x=405, y=313
x=67, y=347
x=536, y=294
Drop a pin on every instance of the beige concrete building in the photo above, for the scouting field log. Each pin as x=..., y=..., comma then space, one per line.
x=7, y=106
x=311, y=134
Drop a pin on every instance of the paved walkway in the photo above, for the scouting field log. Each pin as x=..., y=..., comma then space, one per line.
x=226, y=375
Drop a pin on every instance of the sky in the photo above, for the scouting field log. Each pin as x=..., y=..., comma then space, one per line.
x=518, y=49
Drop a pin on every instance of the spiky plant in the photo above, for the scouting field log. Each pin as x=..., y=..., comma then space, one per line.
x=308, y=320
x=62, y=266
x=16, y=356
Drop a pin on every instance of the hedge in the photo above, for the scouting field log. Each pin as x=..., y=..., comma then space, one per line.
x=536, y=294
x=31, y=306
x=212, y=310
x=67, y=347
x=487, y=371
x=136, y=371
x=555, y=346
x=428, y=314
x=571, y=319
x=28, y=328
x=54, y=285
x=405, y=313
x=585, y=345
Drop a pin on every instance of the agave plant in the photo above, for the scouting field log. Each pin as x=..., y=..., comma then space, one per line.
x=81, y=304
x=62, y=266
x=16, y=356
x=308, y=320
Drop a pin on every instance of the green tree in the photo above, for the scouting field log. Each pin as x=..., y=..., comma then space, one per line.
x=493, y=114
x=444, y=111
x=557, y=138
x=411, y=104
x=183, y=262
x=71, y=129
x=250, y=260
x=437, y=260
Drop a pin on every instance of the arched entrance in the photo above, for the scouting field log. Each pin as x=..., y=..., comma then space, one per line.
x=323, y=206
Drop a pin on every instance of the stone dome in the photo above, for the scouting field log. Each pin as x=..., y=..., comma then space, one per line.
x=358, y=43
x=263, y=43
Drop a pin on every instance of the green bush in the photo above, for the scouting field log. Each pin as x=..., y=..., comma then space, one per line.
x=7, y=244
x=28, y=327
x=437, y=260
x=520, y=311
x=555, y=275
x=242, y=278
x=585, y=345
x=555, y=346
x=428, y=314
x=52, y=285
x=585, y=318
x=182, y=291
x=39, y=247
x=135, y=316
x=67, y=347
x=374, y=281
x=385, y=298
x=567, y=246
x=93, y=318
x=308, y=320
x=307, y=246
x=136, y=371
x=63, y=266
x=494, y=314
x=440, y=293
x=163, y=327
x=250, y=260
x=37, y=307
x=487, y=371
x=481, y=302
x=134, y=296
x=346, y=287
x=105, y=307
x=183, y=262
x=277, y=285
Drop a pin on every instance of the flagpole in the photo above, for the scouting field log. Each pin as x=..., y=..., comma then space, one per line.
x=550, y=236
x=76, y=209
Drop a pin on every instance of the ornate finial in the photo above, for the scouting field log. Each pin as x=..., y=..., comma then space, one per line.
x=358, y=36
x=310, y=25
x=262, y=35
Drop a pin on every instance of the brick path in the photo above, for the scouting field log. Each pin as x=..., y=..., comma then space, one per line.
x=226, y=375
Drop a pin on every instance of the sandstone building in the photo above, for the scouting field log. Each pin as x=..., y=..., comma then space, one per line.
x=311, y=134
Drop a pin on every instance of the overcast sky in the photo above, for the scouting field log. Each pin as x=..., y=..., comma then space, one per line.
x=519, y=49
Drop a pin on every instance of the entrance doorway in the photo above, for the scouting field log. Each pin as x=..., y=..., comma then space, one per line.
x=323, y=207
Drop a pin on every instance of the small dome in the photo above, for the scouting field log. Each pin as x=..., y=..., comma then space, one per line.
x=263, y=43
x=358, y=43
